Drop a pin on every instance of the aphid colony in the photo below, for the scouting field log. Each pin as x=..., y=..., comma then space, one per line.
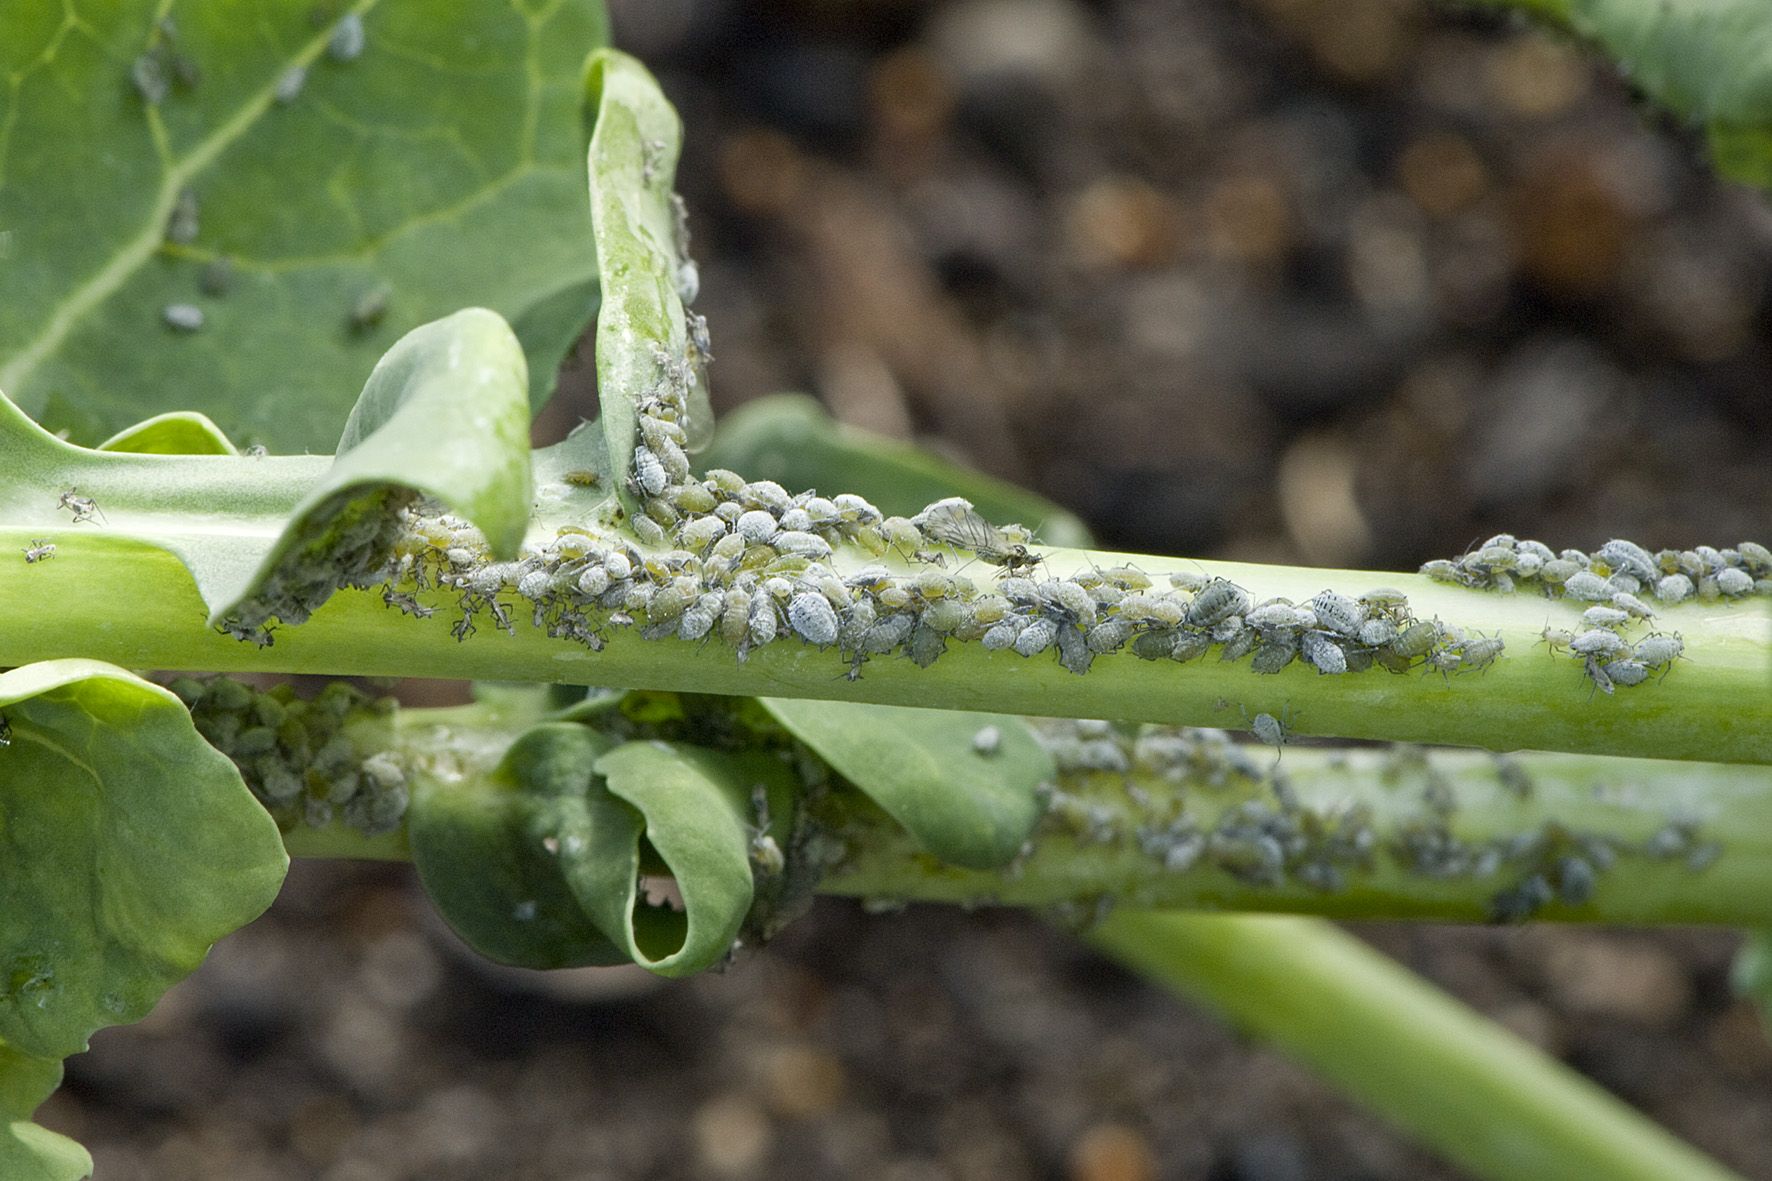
x=1669, y=576
x=348, y=542
x=1609, y=658
x=1252, y=823
x=752, y=564
x=297, y=756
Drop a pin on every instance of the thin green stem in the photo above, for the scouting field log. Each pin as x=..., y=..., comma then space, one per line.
x=1458, y=1083
x=134, y=605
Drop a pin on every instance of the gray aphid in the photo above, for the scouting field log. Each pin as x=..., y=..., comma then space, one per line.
x=1734, y=582
x=346, y=43
x=811, y=617
x=1338, y=613
x=1003, y=635
x=1585, y=584
x=1597, y=641
x=649, y=473
x=1073, y=650
x=1630, y=604
x=805, y=545
x=290, y=83
x=1674, y=588
x=1627, y=556
x=987, y=740
x=1627, y=672
x=1269, y=730
x=1378, y=631
x=1273, y=656
x=1658, y=649
x=1036, y=637
x=1323, y=654
x=1601, y=616
x=1219, y=599
x=1189, y=645
x=1109, y=635
x=188, y=317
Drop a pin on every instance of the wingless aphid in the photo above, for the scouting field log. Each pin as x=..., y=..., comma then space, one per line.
x=39, y=550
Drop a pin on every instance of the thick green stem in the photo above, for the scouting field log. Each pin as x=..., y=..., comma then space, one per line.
x=1192, y=821
x=1593, y=840
x=134, y=605
x=1469, y=1089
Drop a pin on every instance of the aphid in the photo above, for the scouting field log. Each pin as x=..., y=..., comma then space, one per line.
x=1384, y=598
x=216, y=278
x=1481, y=652
x=1558, y=571
x=649, y=473
x=256, y=451
x=925, y=646
x=370, y=308
x=1416, y=639
x=1757, y=557
x=1585, y=584
x=699, y=619
x=1273, y=656
x=1190, y=645
x=1378, y=631
x=1556, y=637
x=582, y=478
x=1628, y=557
x=1658, y=649
x=182, y=317
x=811, y=616
x=346, y=43
x=408, y=604
x=148, y=77
x=890, y=632
x=763, y=624
x=182, y=223
x=649, y=531
x=1036, y=637
x=1218, y=600
x=1609, y=617
x=955, y=522
x=806, y=545
x=1239, y=641
x=1442, y=570
x=289, y=84
x=1269, y=730
x=1597, y=642
x=1003, y=635
x=1323, y=654
x=1734, y=582
x=84, y=508
x=767, y=494
x=1070, y=599
x=40, y=549
x=1596, y=672
x=1275, y=613
x=1109, y=635
x=1627, y=672
x=735, y=616
x=1073, y=650
x=699, y=533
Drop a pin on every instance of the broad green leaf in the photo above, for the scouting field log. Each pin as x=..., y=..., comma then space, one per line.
x=694, y=807
x=311, y=224
x=443, y=414
x=130, y=845
x=966, y=805
x=178, y=432
x=489, y=855
x=790, y=439
x=29, y=1152
x=642, y=346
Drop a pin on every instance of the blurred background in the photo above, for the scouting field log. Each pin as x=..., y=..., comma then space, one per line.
x=1334, y=282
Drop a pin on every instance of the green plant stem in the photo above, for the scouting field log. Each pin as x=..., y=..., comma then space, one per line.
x=1472, y=1091
x=134, y=605
x=1093, y=848
x=1724, y=876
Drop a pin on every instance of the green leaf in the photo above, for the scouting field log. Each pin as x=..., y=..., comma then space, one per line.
x=642, y=345
x=130, y=846
x=442, y=167
x=926, y=769
x=790, y=439
x=179, y=432
x=488, y=853
x=29, y=1152
x=694, y=807
x=1752, y=974
x=443, y=414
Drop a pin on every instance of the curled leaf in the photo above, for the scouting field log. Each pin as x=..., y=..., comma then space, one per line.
x=644, y=353
x=130, y=845
x=966, y=786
